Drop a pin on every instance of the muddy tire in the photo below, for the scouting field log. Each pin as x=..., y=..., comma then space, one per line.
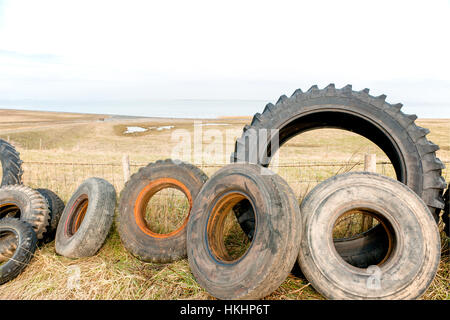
x=414, y=243
x=272, y=253
x=134, y=231
x=86, y=219
x=26, y=204
x=11, y=164
x=56, y=206
x=25, y=242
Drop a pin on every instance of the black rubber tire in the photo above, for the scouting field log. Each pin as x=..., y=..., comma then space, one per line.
x=11, y=164
x=273, y=251
x=7, y=246
x=139, y=240
x=25, y=245
x=361, y=251
x=413, y=260
x=56, y=206
x=33, y=207
x=413, y=156
x=445, y=215
x=86, y=219
x=365, y=249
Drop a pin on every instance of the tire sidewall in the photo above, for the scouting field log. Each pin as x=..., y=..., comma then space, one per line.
x=412, y=265
x=140, y=244
x=96, y=224
x=261, y=269
x=406, y=148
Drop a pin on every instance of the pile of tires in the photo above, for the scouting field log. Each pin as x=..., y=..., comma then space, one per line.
x=27, y=216
x=395, y=259
x=398, y=258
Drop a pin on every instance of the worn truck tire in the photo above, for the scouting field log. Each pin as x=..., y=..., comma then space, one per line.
x=134, y=231
x=86, y=219
x=412, y=155
x=272, y=253
x=28, y=205
x=11, y=164
x=413, y=257
x=56, y=206
x=25, y=242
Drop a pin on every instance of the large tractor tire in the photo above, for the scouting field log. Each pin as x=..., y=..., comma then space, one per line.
x=11, y=165
x=411, y=154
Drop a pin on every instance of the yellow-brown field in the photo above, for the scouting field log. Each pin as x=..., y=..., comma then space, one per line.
x=61, y=150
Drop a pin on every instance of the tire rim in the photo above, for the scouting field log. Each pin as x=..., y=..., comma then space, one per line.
x=216, y=225
x=76, y=215
x=147, y=193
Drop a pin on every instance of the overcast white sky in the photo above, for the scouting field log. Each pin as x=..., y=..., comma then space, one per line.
x=67, y=51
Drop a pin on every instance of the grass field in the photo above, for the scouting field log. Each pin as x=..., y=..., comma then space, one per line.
x=54, y=145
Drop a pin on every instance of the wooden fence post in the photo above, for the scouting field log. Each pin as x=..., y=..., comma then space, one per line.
x=370, y=162
x=126, y=167
x=370, y=165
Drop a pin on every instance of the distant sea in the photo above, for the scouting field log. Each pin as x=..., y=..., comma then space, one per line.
x=187, y=108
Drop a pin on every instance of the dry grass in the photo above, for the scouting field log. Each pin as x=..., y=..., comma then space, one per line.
x=113, y=273
x=166, y=211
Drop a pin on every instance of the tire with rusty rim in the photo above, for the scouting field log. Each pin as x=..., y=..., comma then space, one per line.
x=23, y=239
x=86, y=219
x=412, y=155
x=135, y=232
x=56, y=206
x=26, y=204
x=412, y=260
x=11, y=164
x=272, y=253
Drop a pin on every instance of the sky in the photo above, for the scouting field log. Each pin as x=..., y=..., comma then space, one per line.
x=181, y=58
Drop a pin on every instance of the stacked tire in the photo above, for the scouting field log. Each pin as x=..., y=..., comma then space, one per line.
x=27, y=216
x=23, y=216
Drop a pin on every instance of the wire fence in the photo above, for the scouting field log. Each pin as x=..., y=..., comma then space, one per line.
x=64, y=178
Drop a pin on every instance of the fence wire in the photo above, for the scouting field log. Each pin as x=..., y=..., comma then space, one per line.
x=64, y=178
